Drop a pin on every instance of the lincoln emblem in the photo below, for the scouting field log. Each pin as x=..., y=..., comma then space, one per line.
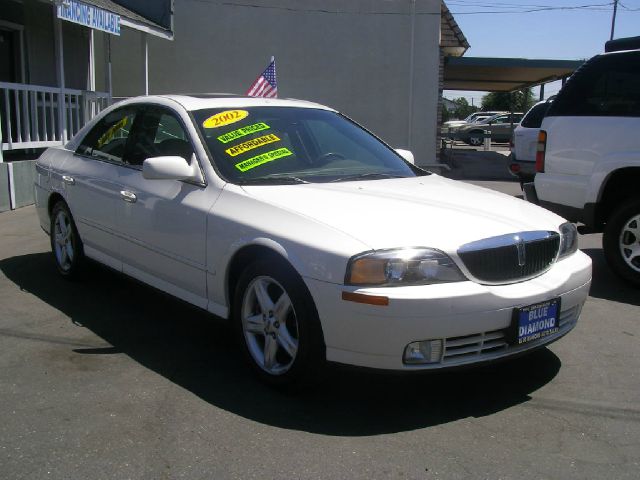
x=522, y=255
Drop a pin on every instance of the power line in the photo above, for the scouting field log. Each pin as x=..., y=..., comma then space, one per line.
x=529, y=9
x=532, y=9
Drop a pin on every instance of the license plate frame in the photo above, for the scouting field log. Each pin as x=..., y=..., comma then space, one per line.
x=533, y=322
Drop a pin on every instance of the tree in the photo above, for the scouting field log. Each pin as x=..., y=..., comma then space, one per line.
x=463, y=109
x=446, y=115
x=520, y=100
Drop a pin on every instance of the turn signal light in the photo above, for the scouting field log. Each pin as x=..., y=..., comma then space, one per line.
x=541, y=150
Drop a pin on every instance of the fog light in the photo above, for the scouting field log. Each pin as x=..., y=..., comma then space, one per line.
x=427, y=351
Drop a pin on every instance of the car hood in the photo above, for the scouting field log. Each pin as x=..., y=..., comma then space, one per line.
x=429, y=211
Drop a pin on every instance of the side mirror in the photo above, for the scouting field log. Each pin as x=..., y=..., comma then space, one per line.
x=170, y=168
x=407, y=155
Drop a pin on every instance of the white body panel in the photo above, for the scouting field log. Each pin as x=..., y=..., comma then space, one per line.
x=164, y=230
x=581, y=153
x=525, y=141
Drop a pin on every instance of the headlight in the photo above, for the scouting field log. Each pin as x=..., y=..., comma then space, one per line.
x=408, y=266
x=568, y=239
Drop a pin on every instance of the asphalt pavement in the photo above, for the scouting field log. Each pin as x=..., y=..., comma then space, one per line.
x=109, y=379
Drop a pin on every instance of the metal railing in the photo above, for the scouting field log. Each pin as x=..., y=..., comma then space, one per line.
x=34, y=116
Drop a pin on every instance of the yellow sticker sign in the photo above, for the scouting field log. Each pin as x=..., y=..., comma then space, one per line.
x=251, y=144
x=109, y=134
x=258, y=160
x=243, y=132
x=225, y=118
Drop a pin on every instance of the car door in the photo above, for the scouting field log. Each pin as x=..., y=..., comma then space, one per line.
x=500, y=128
x=163, y=222
x=91, y=183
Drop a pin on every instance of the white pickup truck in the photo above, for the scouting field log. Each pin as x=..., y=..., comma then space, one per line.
x=588, y=158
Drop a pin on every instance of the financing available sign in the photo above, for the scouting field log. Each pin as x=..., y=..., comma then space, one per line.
x=89, y=16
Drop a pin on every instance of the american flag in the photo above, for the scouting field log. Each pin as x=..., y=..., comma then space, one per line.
x=266, y=84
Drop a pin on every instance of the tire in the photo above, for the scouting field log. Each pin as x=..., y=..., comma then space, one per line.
x=277, y=325
x=476, y=139
x=66, y=246
x=621, y=241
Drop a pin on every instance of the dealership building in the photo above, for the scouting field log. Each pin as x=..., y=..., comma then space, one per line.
x=379, y=62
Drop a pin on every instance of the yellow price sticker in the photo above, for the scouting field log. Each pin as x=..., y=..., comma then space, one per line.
x=251, y=144
x=109, y=134
x=225, y=118
x=243, y=132
x=258, y=160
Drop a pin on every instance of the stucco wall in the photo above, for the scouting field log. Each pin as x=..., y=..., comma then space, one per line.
x=39, y=44
x=357, y=61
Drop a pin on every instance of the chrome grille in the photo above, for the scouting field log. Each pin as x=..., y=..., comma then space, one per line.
x=510, y=258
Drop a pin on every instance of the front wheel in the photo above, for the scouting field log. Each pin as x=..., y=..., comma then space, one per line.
x=621, y=241
x=476, y=139
x=278, y=324
x=65, y=241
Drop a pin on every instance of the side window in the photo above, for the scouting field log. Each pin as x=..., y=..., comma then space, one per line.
x=616, y=93
x=108, y=139
x=159, y=133
x=533, y=119
x=609, y=85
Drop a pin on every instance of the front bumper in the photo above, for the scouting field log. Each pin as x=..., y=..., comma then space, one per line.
x=471, y=319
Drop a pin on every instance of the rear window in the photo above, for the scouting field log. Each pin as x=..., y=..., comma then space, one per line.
x=533, y=118
x=608, y=85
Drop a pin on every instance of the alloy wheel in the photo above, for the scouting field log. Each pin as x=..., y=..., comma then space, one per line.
x=270, y=325
x=63, y=240
x=629, y=243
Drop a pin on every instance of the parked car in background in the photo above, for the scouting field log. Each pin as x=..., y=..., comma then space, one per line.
x=499, y=126
x=522, y=161
x=473, y=118
x=588, y=164
x=318, y=241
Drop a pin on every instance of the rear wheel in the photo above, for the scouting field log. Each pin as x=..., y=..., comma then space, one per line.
x=65, y=241
x=621, y=241
x=278, y=324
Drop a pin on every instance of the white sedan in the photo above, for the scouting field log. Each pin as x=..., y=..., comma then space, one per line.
x=316, y=239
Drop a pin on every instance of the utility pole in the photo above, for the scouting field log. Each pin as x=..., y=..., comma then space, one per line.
x=613, y=19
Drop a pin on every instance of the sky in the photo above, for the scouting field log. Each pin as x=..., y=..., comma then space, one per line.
x=543, y=29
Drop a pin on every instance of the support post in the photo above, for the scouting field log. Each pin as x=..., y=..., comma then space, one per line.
x=12, y=187
x=145, y=61
x=88, y=105
x=613, y=19
x=411, y=72
x=108, y=80
x=59, y=47
x=542, y=92
x=91, y=74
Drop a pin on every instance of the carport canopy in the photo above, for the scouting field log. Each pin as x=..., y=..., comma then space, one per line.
x=503, y=74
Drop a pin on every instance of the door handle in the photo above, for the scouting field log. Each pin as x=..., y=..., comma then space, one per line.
x=68, y=180
x=128, y=196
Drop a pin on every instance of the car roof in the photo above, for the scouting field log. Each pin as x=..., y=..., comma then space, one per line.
x=502, y=114
x=223, y=100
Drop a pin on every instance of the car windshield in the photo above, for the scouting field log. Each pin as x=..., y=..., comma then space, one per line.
x=267, y=145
